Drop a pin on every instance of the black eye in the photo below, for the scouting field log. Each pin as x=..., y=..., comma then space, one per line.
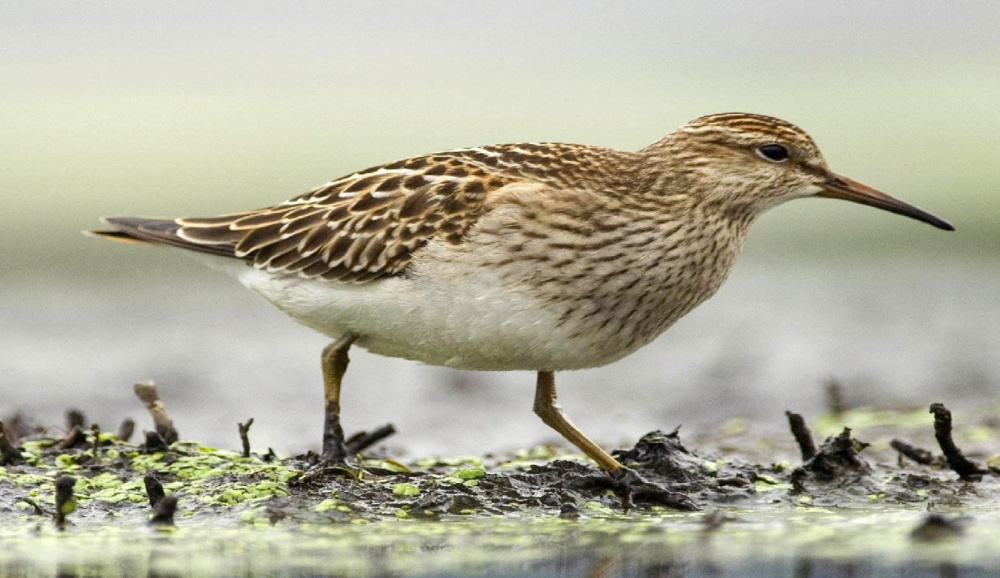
x=773, y=152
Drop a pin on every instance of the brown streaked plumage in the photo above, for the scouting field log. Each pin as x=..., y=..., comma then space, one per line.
x=368, y=224
x=522, y=256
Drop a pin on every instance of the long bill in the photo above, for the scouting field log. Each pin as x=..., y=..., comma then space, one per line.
x=840, y=187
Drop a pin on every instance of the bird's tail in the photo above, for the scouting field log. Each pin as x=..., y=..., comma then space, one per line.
x=119, y=236
x=157, y=231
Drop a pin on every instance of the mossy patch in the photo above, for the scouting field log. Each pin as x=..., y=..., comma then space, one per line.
x=525, y=503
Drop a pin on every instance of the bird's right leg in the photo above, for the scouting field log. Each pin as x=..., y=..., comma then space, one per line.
x=334, y=366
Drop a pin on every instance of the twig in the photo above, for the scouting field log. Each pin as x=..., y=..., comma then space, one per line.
x=918, y=455
x=802, y=435
x=163, y=513
x=154, y=489
x=965, y=468
x=245, y=437
x=838, y=457
x=17, y=428
x=364, y=440
x=835, y=397
x=147, y=393
x=75, y=418
x=73, y=438
x=798, y=479
x=125, y=430
x=95, y=431
x=34, y=505
x=9, y=455
x=65, y=502
x=154, y=443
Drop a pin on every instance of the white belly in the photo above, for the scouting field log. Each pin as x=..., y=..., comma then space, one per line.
x=471, y=323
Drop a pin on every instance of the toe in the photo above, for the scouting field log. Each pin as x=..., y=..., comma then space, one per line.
x=640, y=490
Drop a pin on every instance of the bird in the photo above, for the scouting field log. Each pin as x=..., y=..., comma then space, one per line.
x=545, y=257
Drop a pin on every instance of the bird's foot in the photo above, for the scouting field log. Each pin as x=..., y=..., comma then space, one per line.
x=334, y=459
x=330, y=466
x=633, y=488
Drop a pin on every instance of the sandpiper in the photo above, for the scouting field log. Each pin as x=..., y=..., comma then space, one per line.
x=535, y=256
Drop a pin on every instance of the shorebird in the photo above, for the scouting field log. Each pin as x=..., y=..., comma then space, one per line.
x=535, y=256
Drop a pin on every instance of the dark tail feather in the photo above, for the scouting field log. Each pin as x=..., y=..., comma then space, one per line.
x=113, y=236
x=158, y=231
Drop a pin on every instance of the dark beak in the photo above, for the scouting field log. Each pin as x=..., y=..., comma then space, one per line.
x=838, y=187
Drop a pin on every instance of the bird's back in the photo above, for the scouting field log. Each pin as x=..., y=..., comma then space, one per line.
x=368, y=224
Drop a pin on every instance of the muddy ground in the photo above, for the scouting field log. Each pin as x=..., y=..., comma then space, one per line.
x=863, y=488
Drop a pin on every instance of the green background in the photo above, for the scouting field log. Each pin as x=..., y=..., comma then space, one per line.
x=193, y=108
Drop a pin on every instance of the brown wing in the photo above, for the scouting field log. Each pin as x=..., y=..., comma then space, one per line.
x=368, y=225
x=360, y=227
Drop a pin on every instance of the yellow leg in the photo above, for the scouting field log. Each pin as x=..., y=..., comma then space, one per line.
x=547, y=407
x=334, y=366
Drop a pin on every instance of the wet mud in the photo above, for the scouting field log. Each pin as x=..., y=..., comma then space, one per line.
x=901, y=462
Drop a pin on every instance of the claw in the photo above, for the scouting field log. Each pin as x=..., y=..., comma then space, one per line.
x=634, y=487
x=324, y=468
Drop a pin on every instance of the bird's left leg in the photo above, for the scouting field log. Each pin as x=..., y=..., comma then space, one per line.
x=547, y=407
x=624, y=479
x=334, y=366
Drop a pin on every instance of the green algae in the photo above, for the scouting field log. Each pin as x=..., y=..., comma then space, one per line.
x=405, y=489
x=112, y=477
x=248, y=516
x=469, y=473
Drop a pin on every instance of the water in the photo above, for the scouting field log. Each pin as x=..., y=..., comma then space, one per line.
x=811, y=544
x=891, y=331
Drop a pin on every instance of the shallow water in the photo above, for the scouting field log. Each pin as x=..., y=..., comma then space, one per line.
x=814, y=543
x=891, y=331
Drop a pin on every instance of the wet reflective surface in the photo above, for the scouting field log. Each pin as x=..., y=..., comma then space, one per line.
x=811, y=544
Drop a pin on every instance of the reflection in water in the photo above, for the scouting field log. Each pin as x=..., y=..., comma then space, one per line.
x=601, y=568
x=574, y=552
x=804, y=568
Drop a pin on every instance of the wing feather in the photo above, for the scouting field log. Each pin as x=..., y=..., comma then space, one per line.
x=369, y=224
x=363, y=226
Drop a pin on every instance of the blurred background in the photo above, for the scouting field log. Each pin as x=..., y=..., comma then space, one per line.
x=195, y=108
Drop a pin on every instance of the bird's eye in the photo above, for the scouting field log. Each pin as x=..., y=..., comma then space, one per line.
x=775, y=153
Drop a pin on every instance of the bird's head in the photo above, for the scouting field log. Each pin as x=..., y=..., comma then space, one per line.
x=747, y=163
